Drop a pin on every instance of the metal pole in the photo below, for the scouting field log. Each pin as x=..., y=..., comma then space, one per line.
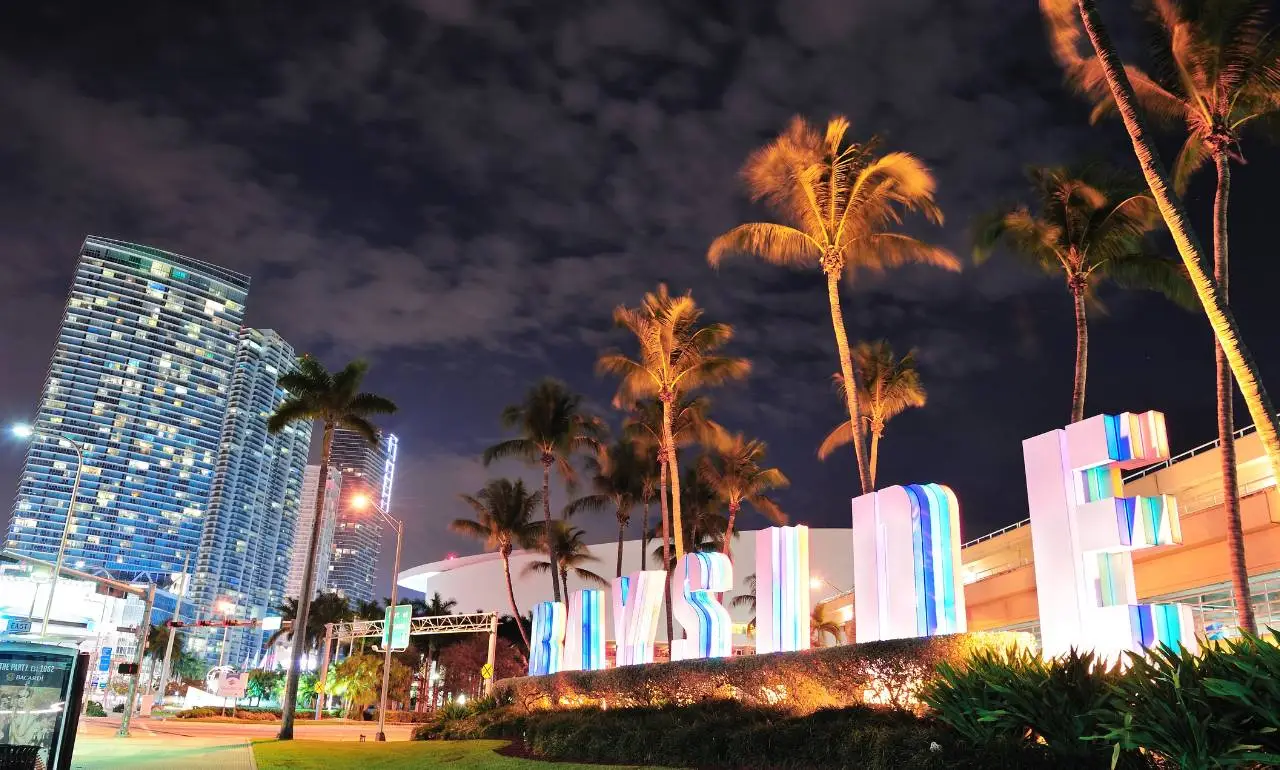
x=324, y=670
x=142, y=648
x=173, y=632
x=493, y=655
x=66, y=527
x=390, y=624
x=222, y=656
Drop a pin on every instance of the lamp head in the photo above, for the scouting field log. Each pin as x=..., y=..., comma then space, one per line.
x=815, y=582
x=22, y=430
x=360, y=502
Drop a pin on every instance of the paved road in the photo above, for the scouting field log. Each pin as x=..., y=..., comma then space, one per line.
x=174, y=743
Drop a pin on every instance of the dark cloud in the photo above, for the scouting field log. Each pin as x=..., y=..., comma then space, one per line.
x=464, y=189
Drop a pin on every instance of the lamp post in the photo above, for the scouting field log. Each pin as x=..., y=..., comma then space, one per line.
x=27, y=431
x=360, y=502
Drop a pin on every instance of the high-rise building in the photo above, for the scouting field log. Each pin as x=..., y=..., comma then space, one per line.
x=139, y=380
x=366, y=471
x=306, y=523
x=254, y=503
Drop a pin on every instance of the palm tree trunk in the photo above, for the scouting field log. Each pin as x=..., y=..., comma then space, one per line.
x=674, y=474
x=511, y=593
x=289, y=699
x=622, y=532
x=850, y=379
x=546, y=531
x=666, y=540
x=728, y=528
x=875, y=453
x=644, y=536
x=1243, y=367
x=1226, y=427
x=564, y=583
x=1082, y=352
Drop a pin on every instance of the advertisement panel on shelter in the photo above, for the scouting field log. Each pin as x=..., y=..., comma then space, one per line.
x=35, y=683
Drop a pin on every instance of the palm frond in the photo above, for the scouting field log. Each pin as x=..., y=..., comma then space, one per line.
x=294, y=409
x=774, y=243
x=520, y=448
x=841, y=435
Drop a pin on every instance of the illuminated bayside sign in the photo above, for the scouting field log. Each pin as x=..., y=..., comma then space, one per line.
x=707, y=625
x=782, y=589
x=906, y=563
x=1083, y=536
x=637, y=601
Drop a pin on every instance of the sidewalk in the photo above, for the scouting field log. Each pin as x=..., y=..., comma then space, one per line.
x=97, y=748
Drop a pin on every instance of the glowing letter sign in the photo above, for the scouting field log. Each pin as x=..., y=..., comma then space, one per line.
x=546, y=639
x=707, y=626
x=584, y=637
x=906, y=563
x=637, y=600
x=782, y=589
x=1082, y=536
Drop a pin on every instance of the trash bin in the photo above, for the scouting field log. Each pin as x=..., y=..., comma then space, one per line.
x=19, y=757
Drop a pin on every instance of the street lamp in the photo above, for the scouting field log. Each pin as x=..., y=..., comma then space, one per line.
x=24, y=431
x=360, y=502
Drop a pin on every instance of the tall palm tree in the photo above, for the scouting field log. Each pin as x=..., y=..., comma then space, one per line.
x=841, y=202
x=888, y=386
x=1217, y=75
x=553, y=429
x=617, y=477
x=651, y=480
x=572, y=552
x=1089, y=225
x=1066, y=42
x=690, y=424
x=504, y=521
x=734, y=475
x=438, y=606
x=676, y=356
x=335, y=400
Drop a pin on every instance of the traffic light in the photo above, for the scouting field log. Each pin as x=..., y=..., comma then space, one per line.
x=127, y=668
x=174, y=624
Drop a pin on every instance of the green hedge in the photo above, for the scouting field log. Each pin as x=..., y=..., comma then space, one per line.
x=735, y=735
x=880, y=673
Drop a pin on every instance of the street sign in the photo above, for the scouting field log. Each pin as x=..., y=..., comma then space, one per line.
x=15, y=625
x=104, y=662
x=399, y=626
x=486, y=671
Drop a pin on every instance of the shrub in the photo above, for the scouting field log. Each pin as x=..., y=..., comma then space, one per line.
x=885, y=673
x=94, y=709
x=118, y=708
x=1001, y=698
x=1214, y=710
x=733, y=735
x=198, y=713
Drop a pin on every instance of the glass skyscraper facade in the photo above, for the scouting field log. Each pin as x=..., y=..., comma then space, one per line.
x=139, y=379
x=245, y=551
x=368, y=471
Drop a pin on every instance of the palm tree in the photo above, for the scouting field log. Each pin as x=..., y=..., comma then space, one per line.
x=617, y=476
x=504, y=521
x=335, y=400
x=820, y=627
x=1217, y=75
x=689, y=424
x=571, y=553
x=676, y=356
x=841, y=202
x=734, y=475
x=1066, y=41
x=747, y=599
x=327, y=607
x=651, y=481
x=1090, y=225
x=438, y=607
x=888, y=386
x=553, y=429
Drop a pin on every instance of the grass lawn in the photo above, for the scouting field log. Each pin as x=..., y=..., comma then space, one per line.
x=340, y=755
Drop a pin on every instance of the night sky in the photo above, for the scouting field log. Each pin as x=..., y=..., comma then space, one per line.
x=462, y=190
